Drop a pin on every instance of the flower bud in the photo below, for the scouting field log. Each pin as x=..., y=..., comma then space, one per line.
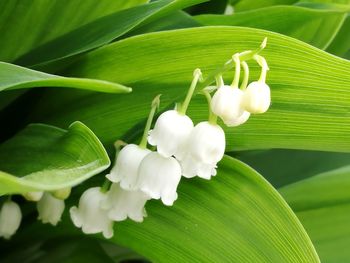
x=125, y=203
x=63, y=193
x=33, y=196
x=170, y=133
x=10, y=219
x=205, y=147
x=90, y=216
x=126, y=166
x=50, y=209
x=159, y=177
x=227, y=104
x=257, y=97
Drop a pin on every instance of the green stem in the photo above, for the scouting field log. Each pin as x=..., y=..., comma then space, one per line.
x=196, y=76
x=212, y=118
x=264, y=67
x=237, y=61
x=155, y=105
x=105, y=186
x=246, y=75
x=244, y=56
x=219, y=81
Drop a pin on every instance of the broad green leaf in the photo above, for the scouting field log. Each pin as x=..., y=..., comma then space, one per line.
x=341, y=43
x=100, y=32
x=26, y=24
x=235, y=217
x=43, y=157
x=322, y=203
x=316, y=27
x=244, y=5
x=16, y=77
x=329, y=230
x=322, y=190
x=310, y=88
x=176, y=20
x=283, y=167
x=341, y=2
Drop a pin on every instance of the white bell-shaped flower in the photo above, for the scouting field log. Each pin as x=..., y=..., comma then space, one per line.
x=122, y=204
x=50, y=209
x=10, y=219
x=90, y=216
x=170, y=133
x=205, y=148
x=257, y=97
x=227, y=104
x=159, y=177
x=33, y=196
x=126, y=166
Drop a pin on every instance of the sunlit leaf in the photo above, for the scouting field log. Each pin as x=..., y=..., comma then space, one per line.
x=310, y=88
x=16, y=77
x=43, y=157
x=25, y=25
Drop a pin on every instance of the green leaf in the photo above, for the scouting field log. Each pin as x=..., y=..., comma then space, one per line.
x=296, y=165
x=322, y=203
x=341, y=43
x=310, y=88
x=43, y=157
x=16, y=77
x=100, y=32
x=235, y=217
x=244, y=5
x=316, y=27
x=25, y=25
x=322, y=190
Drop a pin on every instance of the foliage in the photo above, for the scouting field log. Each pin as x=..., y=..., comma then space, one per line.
x=96, y=65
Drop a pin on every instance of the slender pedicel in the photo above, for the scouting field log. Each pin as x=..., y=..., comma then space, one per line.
x=197, y=75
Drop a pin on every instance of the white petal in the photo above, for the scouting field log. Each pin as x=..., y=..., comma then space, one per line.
x=50, y=209
x=227, y=103
x=257, y=97
x=170, y=133
x=90, y=216
x=125, y=203
x=10, y=219
x=159, y=177
x=238, y=121
x=126, y=166
x=205, y=147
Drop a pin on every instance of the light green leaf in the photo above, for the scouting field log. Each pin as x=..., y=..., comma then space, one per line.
x=244, y=5
x=322, y=203
x=100, y=32
x=16, y=77
x=310, y=88
x=43, y=157
x=25, y=25
x=283, y=167
x=235, y=217
x=329, y=230
x=322, y=190
x=316, y=27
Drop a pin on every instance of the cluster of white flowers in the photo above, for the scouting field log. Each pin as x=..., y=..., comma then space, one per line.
x=182, y=149
x=50, y=208
x=141, y=174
